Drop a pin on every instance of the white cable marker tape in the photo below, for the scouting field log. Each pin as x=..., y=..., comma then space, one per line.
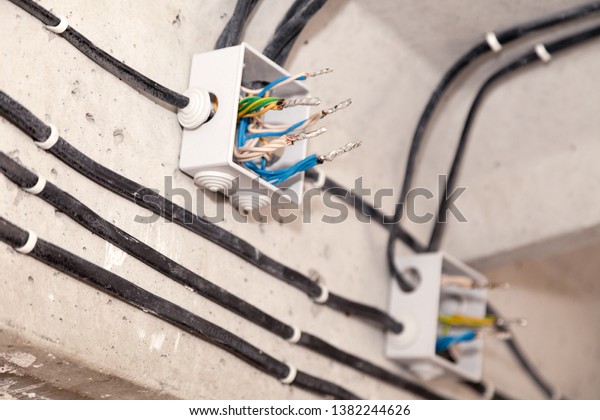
x=29, y=245
x=322, y=298
x=38, y=187
x=291, y=376
x=61, y=27
x=493, y=42
x=50, y=141
x=320, y=181
x=542, y=53
x=295, y=336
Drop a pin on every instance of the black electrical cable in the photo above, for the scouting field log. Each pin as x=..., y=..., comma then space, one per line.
x=80, y=213
x=507, y=36
x=503, y=37
x=523, y=61
x=330, y=186
x=481, y=388
x=282, y=57
x=289, y=29
x=232, y=32
x=333, y=188
x=437, y=234
x=105, y=60
x=318, y=345
x=292, y=11
x=526, y=364
x=128, y=292
x=151, y=200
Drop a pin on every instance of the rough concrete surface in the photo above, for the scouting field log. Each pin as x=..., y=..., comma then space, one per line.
x=530, y=170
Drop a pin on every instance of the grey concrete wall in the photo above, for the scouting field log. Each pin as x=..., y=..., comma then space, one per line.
x=536, y=138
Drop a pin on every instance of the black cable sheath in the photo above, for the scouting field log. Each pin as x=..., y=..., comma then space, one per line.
x=337, y=190
x=160, y=205
x=80, y=213
x=396, y=230
x=117, y=68
x=232, y=32
x=289, y=29
x=526, y=364
x=86, y=217
x=523, y=61
x=128, y=292
x=151, y=200
x=439, y=228
x=504, y=37
x=480, y=387
x=320, y=346
x=294, y=9
x=437, y=234
x=411, y=161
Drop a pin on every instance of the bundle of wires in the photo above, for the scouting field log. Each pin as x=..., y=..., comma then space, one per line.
x=26, y=242
x=153, y=89
x=393, y=223
x=71, y=207
x=459, y=320
x=288, y=30
x=149, y=199
x=502, y=38
x=253, y=129
x=449, y=324
x=444, y=342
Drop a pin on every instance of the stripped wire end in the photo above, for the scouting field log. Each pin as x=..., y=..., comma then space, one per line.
x=292, y=138
x=470, y=283
x=336, y=108
x=498, y=335
x=319, y=72
x=521, y=322
x=288, y=103
x=338, y=152
x=500, y=285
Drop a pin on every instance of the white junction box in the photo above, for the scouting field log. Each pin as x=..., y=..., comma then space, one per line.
x=419, y=310
x=207, y=151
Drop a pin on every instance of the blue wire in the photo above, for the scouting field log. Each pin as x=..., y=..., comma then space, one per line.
x=278, y=176
x=443, y=343
x=275, y=177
